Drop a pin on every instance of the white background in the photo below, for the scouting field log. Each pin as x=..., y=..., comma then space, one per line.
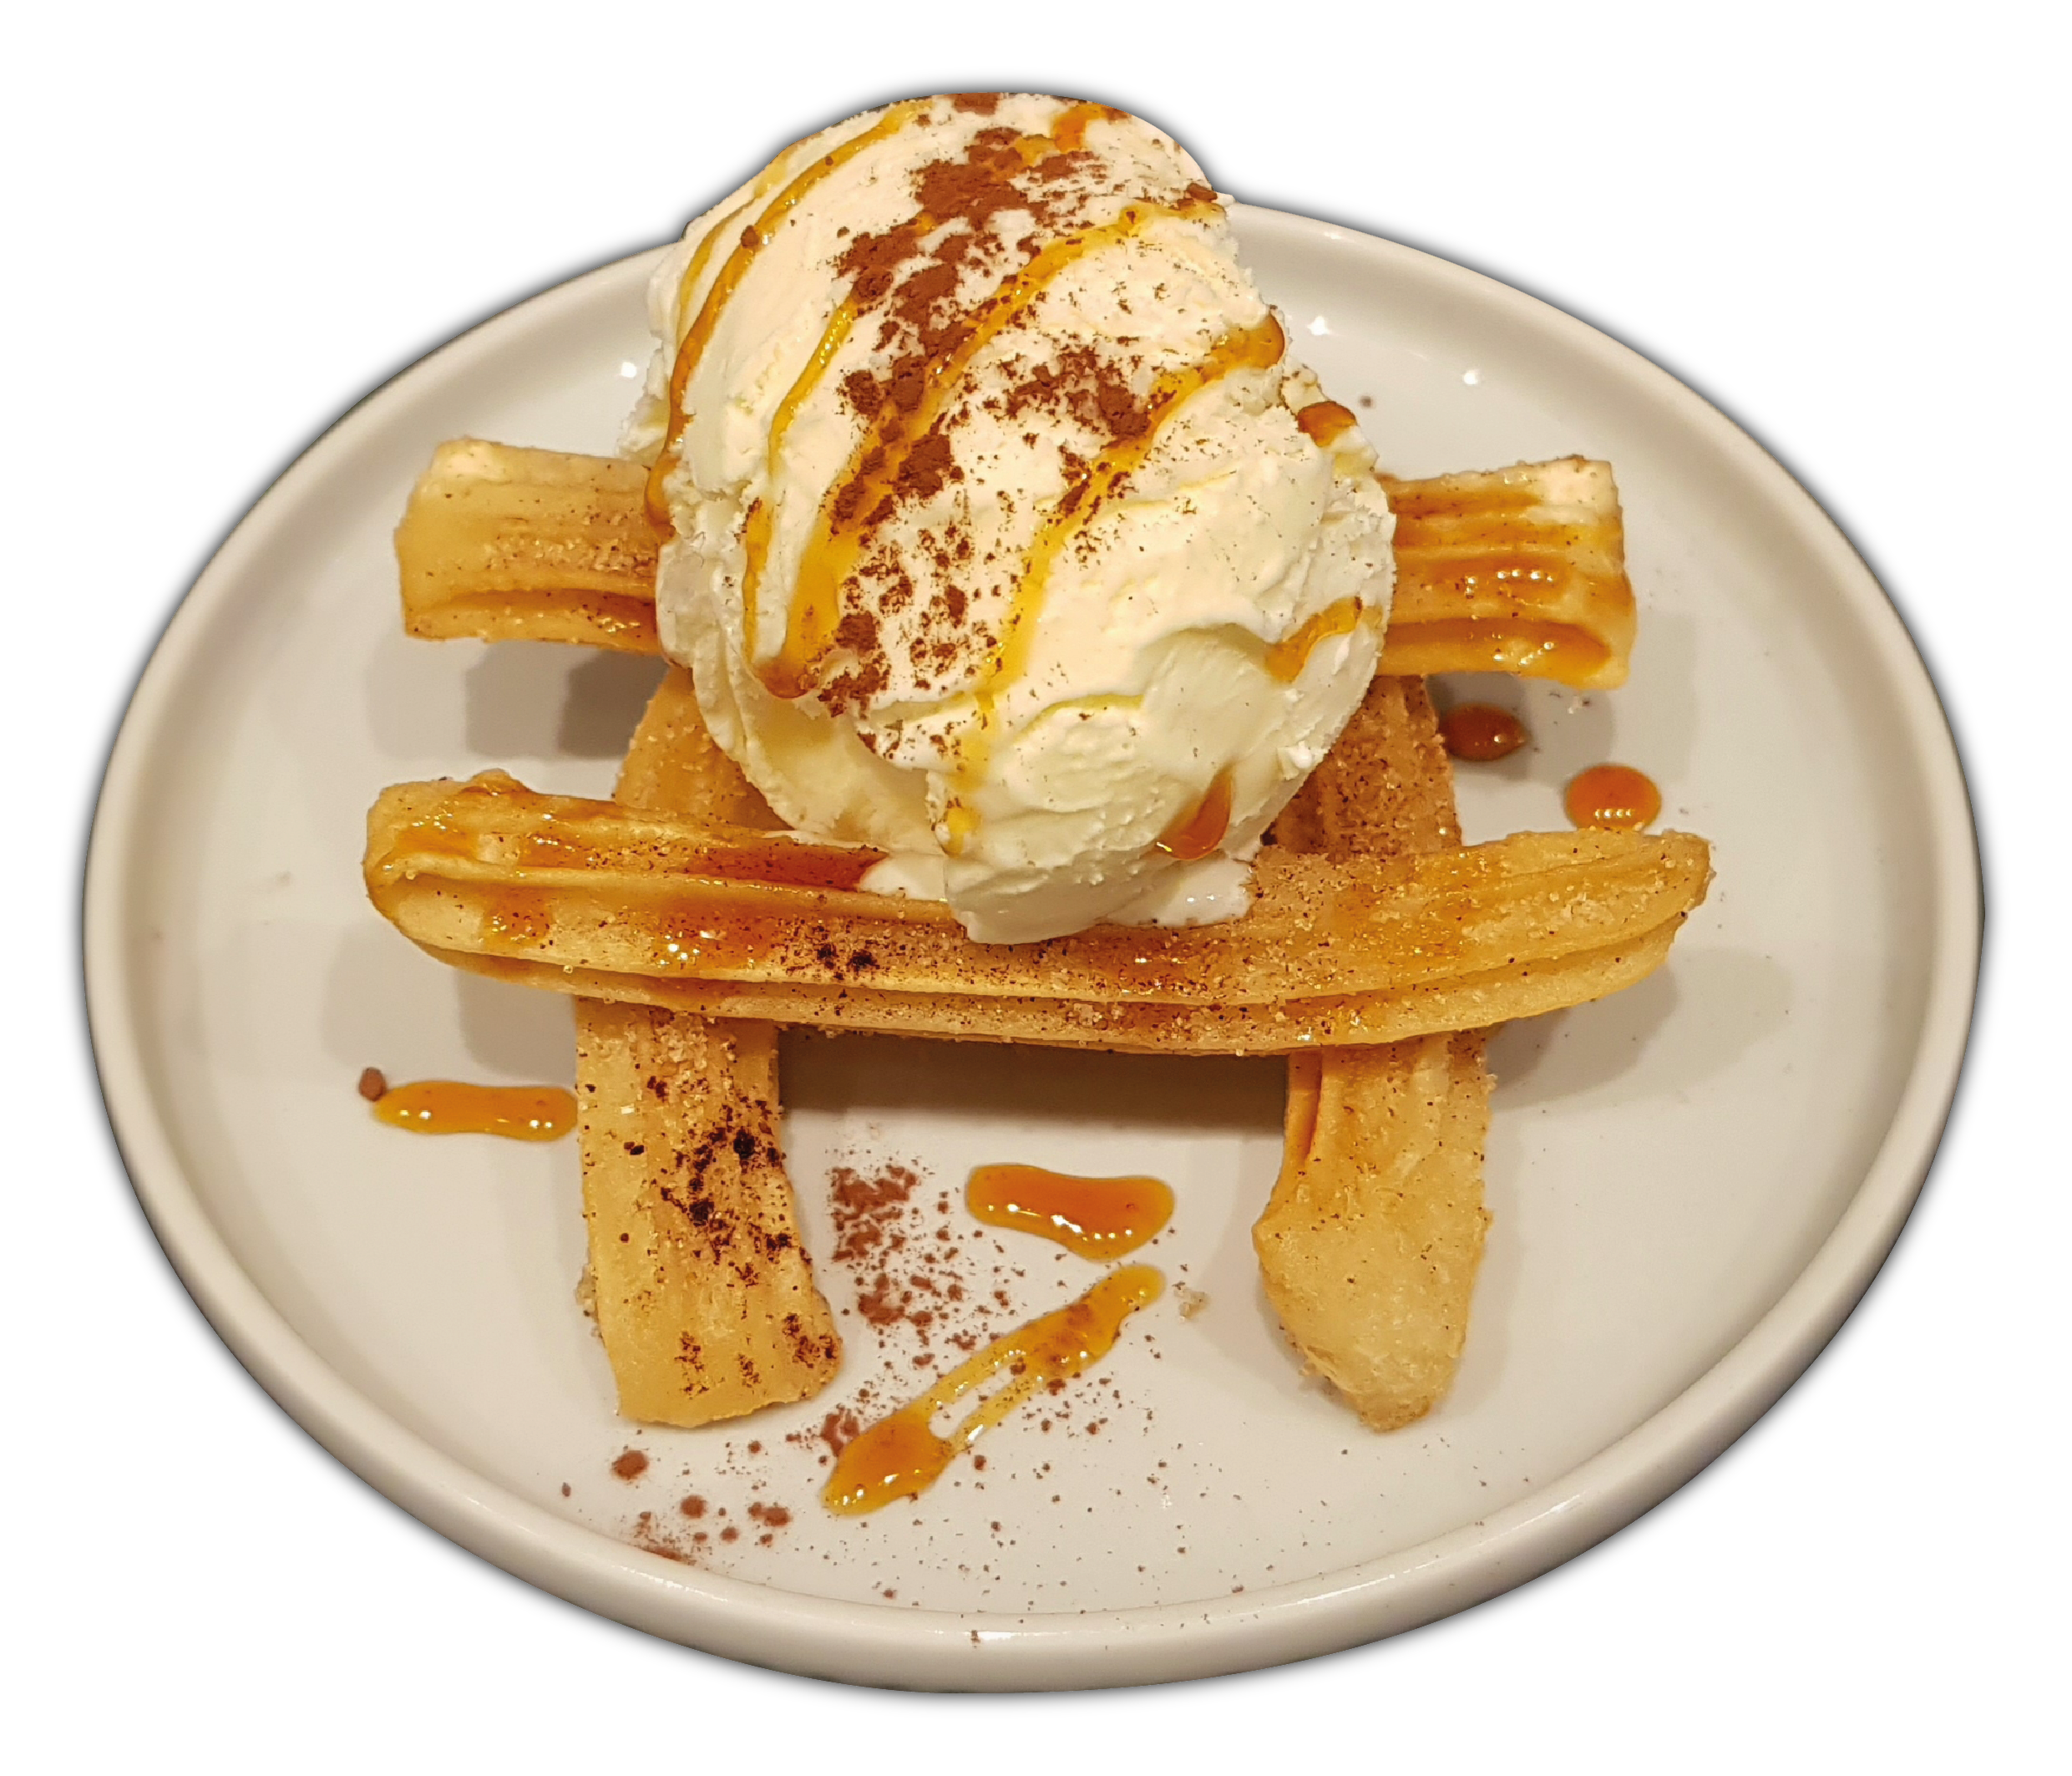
x=224, y=224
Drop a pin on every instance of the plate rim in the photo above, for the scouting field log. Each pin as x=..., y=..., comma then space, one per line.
x=564, y=268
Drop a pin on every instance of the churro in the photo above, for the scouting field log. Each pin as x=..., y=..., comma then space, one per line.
x=702, y=1286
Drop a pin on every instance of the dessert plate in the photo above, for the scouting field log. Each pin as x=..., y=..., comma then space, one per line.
x=1692, y=1182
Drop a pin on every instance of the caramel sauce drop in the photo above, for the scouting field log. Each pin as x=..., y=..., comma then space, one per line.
x=1094, y=1217
x=1614, y=796
x=897, y=1458
x=522, y=1112
x=1481, y=733
x=1325, y=422
x=1198, y=831
x=901, y=1457
x=1286, y=658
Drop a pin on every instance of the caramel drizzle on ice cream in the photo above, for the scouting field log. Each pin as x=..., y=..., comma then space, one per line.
x=736, y=268
x=1286, y=658
x=788, y=676
x=850, y=579
x=1324, y=423
x=1200, y=829
x=1068, y=132
x=1257, y=347
x=880, y=457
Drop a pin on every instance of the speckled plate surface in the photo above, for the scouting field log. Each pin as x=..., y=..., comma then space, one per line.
x=1692, y=1182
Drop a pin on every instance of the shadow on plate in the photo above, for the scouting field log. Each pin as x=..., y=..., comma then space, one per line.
x=373, y=1015
x=1193, y=1093
x=1725, y=1002
x=541, y=700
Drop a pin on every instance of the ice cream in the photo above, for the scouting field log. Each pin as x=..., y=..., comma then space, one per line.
x=1006, y=538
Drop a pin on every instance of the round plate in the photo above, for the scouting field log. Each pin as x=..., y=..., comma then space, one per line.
x=1692, y=1182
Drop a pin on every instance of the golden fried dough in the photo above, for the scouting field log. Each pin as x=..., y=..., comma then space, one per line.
x=1369, y=1244
x=703, y=1293
x=492, y=869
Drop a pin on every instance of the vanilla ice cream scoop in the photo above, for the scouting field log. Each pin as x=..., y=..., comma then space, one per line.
x=1004, y=537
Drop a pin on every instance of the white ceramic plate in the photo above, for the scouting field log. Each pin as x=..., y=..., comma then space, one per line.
x=1692, y=1182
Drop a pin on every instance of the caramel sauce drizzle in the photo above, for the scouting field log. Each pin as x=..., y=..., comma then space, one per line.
x=1324, y=423
x=961, y=823
x=517, y=917
x=520, y=1113
x=900, y=1456
x=1613, y=796
x=761, y=519
x=1528, y=648
x=691, y=349
x=1524, y=568
x=1481, y=733
x=568, y=846
x=438, y=836
x=1286, y=658
x=832, y=554
x=655, y=501
x=1256, y=348
x=1201, y=829
x=1069, y=130
x=1094, y=1217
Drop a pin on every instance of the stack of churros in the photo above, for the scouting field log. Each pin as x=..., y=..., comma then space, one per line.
x=1378, y=953
x=973, y=479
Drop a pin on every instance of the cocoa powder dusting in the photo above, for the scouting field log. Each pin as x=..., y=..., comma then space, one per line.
x=648, y=1537
x=838, y=1430
x=903, y=1279
x=631, y=1464
x=926, y=285
x=924, y=1278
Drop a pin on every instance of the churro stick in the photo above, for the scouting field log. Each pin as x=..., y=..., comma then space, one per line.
x=492, y=867
x=603, y=901
x=1371, y=1242
x=675, y=766
x=704, y=1294
x=1516, y=569
x=512, y=544
x=1386, y=788
x=1521, y=989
